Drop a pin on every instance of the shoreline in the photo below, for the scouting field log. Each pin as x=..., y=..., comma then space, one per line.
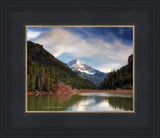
x=104, y=91
x=81, y=91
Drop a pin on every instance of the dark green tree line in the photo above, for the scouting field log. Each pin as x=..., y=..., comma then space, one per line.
x=121, y=78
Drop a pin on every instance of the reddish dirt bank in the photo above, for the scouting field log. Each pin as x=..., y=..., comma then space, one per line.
x=65, y=90
x=60, y=89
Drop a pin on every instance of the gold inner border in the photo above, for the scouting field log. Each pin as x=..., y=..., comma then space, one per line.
x=133, y=26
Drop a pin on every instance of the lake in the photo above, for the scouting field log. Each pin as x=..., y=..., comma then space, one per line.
x=81, y=102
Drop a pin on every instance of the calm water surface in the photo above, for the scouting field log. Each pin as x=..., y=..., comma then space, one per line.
x=81, y=102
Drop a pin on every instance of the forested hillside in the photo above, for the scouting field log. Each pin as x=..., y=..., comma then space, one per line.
x=121, y=78
x=44, y=70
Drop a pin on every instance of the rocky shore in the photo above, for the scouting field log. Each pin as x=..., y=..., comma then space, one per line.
x=64, y=90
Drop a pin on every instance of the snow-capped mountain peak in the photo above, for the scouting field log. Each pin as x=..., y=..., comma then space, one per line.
x=87, y=72
x=78, y=65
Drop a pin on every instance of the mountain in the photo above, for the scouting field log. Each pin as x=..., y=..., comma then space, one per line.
x=77, y=65
x=86, y=71
x=121, y=78
x=44, y=71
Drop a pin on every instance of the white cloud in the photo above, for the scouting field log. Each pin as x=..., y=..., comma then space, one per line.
x=33, y=34
x=109, y=67
x=108, y=56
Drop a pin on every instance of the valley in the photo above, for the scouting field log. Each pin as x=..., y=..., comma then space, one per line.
x=55, y=86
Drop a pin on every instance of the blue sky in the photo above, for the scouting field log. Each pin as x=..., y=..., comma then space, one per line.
x=104, y=48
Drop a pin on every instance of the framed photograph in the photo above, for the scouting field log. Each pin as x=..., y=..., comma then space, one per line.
x=80, y=69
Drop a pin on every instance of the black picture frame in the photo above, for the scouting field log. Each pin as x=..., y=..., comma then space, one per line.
x=143, y=123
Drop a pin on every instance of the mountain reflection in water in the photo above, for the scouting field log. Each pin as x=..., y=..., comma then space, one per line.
x=81, y=102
